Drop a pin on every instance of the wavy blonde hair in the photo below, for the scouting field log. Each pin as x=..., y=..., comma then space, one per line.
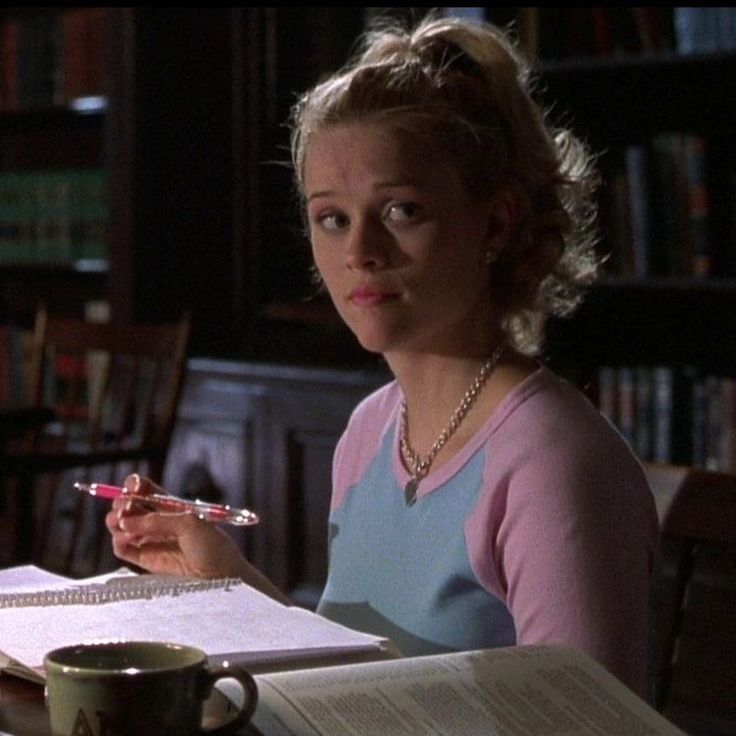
x=463, y=89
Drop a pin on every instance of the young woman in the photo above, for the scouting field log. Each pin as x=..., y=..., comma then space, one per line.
x=478, y=499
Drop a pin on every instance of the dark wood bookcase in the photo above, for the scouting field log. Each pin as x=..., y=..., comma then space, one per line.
x=44, y=135
x=680, y=323
x=202, y=213
x=615, y=102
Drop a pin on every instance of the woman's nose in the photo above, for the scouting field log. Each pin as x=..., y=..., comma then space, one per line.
x=367, y=246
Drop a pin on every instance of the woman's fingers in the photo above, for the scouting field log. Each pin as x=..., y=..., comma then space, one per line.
x=141, y=486
x=159, y=525
x=134, y=485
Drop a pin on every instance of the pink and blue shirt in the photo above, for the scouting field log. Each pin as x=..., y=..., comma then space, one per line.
x=541, y=529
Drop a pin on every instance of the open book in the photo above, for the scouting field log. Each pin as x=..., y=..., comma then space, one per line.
x=517, y=691
x=227, y=619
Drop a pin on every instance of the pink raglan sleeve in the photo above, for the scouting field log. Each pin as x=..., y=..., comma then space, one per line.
x=567, y=540
x=359, y=442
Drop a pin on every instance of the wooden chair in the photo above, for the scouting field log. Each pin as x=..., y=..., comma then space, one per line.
x=695, y=599
x=114, y=390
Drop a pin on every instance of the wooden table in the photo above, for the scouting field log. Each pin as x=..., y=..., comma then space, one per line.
x=22, y=710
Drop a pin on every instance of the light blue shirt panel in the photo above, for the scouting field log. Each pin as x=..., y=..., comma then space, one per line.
x=404, y=572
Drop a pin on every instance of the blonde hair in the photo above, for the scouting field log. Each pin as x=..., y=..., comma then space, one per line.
x=464, y=88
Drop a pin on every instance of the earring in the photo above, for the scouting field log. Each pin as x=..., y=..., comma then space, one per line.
x=490, y=257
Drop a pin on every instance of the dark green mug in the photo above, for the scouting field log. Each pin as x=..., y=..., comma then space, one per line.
x=135, y=688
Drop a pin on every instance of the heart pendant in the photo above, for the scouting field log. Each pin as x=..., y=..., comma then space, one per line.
x=410, y=491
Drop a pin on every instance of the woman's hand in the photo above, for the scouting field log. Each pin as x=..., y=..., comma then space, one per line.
x=176, y=543
x=169, y=543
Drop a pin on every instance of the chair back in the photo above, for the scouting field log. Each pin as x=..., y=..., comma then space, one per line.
x=111, y=385
x=114, y=389
x=695, y=599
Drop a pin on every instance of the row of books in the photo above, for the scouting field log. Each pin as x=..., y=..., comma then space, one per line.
x=15, y=355
x=560, y=33
x=672, y=415
x=53, y=217
x=52, y=58
x=704, y=30
x=656, y=209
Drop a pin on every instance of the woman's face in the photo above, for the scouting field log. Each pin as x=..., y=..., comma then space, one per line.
x=398, y=241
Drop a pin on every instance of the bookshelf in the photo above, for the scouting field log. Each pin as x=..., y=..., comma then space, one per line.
x=678, y=318
x=53, y=177
x=201, y=213
x=655, y=341
x=54, y=202
x=635, y=94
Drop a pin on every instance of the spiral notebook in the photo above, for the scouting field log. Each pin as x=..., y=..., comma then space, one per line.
x=228, y=619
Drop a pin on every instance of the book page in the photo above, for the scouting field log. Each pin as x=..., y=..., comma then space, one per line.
x=518, y=691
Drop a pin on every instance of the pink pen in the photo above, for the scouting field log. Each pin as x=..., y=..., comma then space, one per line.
x=162, y=502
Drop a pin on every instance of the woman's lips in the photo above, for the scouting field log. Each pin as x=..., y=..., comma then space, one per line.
x=367, y=297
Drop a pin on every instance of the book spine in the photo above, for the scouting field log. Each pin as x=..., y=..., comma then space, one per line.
x=698, y=209
x=728, y=437
x=637, y=176
x=713, y=424
x=9, y=72
x=644, y=413
x=607, y=398
x=83, y=48
x=663, y=394
x=38, y=60
x=627, y=404
x=5, y=395
x=699, y=422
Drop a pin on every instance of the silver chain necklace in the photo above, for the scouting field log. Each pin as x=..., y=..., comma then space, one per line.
x=420, y=467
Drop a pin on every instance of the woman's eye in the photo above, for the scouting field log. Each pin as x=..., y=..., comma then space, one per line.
x=332, y=221
x=403, y=212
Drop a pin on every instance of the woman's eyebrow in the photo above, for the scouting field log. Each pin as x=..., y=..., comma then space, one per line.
x=319, y=195
x=392, y=184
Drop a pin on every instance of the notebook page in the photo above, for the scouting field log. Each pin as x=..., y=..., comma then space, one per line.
x=29, y=577
x=237, y=623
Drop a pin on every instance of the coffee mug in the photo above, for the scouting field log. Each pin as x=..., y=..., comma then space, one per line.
x=135, y=688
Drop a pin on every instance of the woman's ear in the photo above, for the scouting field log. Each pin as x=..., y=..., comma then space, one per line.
x=501, y=212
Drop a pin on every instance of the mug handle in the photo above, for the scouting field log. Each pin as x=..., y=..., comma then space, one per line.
x=211, y=674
